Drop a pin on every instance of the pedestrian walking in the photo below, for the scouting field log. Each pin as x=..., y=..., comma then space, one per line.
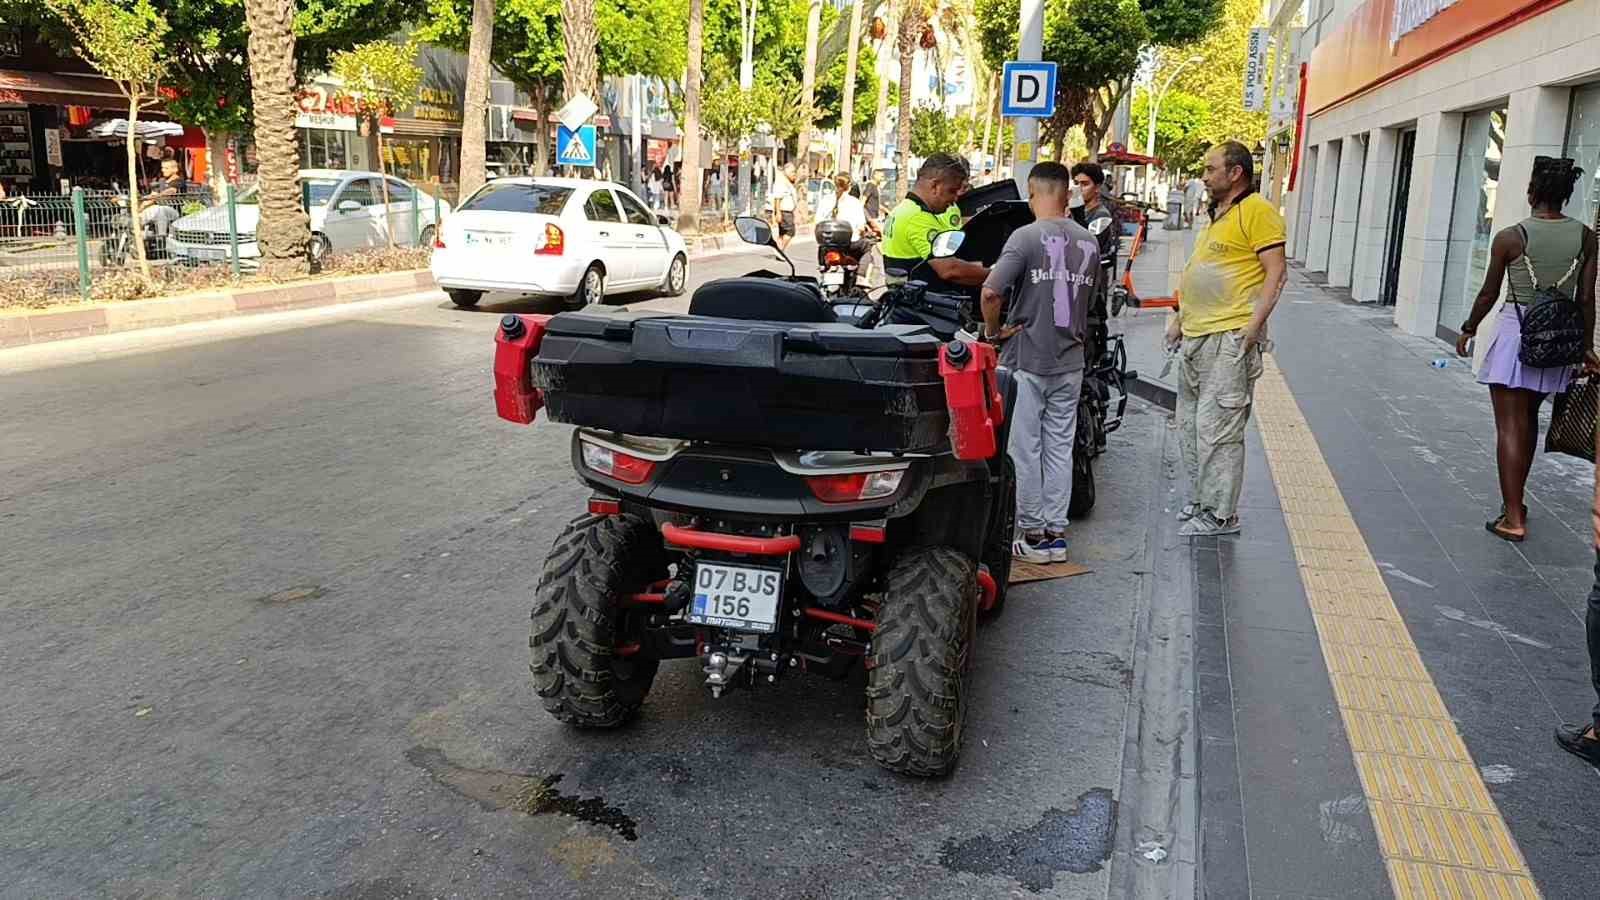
x=669, y=184
x=1544, y=252
x=782, y=200
x=1048, y=270
x=1193, y=196
x=1229, y=288
x=654, y=188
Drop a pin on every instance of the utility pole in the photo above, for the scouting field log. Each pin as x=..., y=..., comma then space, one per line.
x=1030, y=48
x=747, y=80
x=638, y=133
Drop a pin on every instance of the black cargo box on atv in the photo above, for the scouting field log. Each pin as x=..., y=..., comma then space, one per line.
x=770, y=384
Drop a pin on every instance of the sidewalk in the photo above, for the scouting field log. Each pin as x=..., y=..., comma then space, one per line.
x=1364, y=556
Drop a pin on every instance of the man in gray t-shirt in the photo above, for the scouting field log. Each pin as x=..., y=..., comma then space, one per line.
x=1048, y=269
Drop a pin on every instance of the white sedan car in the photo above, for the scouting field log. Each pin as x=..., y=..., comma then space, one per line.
x=349, y=211
x=556, y=237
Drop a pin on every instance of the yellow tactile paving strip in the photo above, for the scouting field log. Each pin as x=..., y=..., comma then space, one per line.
x=1439, y=831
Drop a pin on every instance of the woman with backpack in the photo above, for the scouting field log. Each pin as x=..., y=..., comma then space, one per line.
x=1545, y=329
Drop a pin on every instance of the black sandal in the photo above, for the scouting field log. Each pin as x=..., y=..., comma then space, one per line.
x=1497, y=528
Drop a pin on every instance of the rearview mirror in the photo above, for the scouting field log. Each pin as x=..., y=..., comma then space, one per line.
x=946, y=243
x=753, y=231
x=1099, y=226
x=349, y=205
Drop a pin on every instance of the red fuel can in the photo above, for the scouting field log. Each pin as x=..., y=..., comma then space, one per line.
x=515, y=344
x=972, y=394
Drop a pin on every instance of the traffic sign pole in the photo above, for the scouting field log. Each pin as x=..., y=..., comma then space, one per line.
x=1030, y=48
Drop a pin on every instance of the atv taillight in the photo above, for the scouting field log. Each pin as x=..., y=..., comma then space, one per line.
x=516, y=342
x=438, y=239
x=554, y=242
x=616, y=464
x=832, y=258
x=856, y=486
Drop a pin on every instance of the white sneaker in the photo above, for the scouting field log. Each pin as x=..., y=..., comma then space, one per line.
x=1189, y=511
x=1032, y=553
x=1057, y=545
x=1206, y=525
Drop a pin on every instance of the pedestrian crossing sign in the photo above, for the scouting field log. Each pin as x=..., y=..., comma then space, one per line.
x=575, y=148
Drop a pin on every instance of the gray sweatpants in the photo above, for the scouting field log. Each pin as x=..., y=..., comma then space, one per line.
x=1044, y=424
x=1216, y=384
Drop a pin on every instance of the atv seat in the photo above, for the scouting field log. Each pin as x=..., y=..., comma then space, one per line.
x=762, y=299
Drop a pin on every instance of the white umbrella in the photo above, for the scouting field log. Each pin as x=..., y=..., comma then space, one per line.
x=147, y=130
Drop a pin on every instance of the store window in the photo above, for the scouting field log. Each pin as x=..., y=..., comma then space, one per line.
x=1483, y=141
x=323, y=148
x=1583, y=145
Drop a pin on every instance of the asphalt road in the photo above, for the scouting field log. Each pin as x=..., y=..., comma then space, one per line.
x=266, y=593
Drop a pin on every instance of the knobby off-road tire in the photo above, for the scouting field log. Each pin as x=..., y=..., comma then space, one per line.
x=915, y=703
x=578, y=620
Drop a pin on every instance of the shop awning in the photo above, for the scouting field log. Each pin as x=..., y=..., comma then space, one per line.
x=1129, y=158
x=50, y=89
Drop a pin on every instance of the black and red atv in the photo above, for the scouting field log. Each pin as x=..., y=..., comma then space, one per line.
x=774, y=491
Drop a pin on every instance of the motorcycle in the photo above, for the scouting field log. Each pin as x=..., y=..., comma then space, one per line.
x=117, y=248
x=839, y=259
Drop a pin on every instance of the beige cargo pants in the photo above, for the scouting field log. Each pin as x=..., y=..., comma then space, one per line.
x=1216, y=384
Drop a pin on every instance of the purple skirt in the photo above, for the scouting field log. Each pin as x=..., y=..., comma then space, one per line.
x=1501, y=365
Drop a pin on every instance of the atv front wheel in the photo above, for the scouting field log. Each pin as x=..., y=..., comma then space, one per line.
x=579, y=620
x=1082, y=487
x=915, y=703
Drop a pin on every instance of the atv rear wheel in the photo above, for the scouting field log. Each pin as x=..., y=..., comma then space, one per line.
x=915, y=699
x=1002, y=529
x=579, y=620
x=1082, y=487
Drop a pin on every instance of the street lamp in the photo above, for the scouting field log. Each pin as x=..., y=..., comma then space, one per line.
x=1155, y=110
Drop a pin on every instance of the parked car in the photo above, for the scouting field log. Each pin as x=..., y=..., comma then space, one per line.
x=348, y=212
x=557, y=237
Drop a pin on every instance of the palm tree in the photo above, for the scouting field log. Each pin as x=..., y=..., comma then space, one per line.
x=808, y=77
x=284, y=230
x=913, y=18
x=689, y=166
x=847, y=116
x=474, y=123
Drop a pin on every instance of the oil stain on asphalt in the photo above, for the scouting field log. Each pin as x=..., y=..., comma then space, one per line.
x=529, y=794
x=1077, y=840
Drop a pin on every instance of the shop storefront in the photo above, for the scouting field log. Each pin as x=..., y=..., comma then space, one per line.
x=425, y=148
x=1421, y=124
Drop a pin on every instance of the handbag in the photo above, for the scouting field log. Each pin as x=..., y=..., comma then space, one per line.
x=1552, y=326
x=1572, y=420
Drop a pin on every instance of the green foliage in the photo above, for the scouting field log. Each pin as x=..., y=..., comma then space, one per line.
x=642, y=37
x=727, y=113
x=777, y=105
x=997, y=30
x=527, y=46
x=1181, y=126
x=1174, y=23
x=830, y=92
x=1095, y=43
x=384, y=75
x=127, y=44
x=1219, y=78
x=934, y=132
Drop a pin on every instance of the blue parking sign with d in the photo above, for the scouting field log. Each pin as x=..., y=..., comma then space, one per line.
x=575, y=148
x=1028, y=90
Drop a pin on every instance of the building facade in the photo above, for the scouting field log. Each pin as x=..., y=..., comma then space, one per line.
x=1415, y=136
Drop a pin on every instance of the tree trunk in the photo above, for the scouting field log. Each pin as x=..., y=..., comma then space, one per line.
x=135, y=214
x=880, y=126
x=689, y=163
x=808, y=80
x=383, y=183
x=541, y=132
x=727, y=189
x=988, y=122
x=910, y=30
x=582, y=75
x=475, y=114
x=284, y=230
x=217, y=164
x=847, y=112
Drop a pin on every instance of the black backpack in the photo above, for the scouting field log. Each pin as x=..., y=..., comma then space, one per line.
x=1552, y=324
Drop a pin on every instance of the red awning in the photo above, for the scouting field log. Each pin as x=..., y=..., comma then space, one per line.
x=50, y=89
x=1129, y=158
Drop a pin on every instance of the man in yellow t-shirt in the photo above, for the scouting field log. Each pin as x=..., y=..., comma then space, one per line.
x=1228, y=290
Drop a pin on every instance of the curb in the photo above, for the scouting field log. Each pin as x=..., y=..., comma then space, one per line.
x=109, y=318
x=710, y=246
